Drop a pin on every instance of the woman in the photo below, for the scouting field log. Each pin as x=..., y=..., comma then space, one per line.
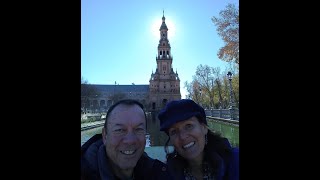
x=198, y=152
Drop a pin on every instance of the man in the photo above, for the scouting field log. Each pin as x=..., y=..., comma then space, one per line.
x=118, y=153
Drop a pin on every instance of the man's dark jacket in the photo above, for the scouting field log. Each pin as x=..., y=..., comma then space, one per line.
x=95, y=164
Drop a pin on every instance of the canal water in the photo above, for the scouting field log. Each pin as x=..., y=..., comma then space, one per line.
x=155, y=137
x=227, y=130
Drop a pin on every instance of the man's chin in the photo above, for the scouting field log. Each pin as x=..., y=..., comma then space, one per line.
x=128, y=165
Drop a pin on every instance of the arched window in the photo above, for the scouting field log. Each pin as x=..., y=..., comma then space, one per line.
x=164, y=68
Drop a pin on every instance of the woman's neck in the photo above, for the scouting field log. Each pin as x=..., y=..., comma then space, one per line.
x=196, y=162
x=196, y=166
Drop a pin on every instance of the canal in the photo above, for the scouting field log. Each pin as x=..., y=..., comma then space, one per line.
x=155, y=137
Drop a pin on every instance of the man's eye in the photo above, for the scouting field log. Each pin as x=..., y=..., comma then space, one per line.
x=140, y=131
x=119, y=130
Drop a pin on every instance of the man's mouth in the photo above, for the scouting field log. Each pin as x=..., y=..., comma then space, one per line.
x=128, y=152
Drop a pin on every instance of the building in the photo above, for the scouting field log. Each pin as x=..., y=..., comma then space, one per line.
x=164, y=84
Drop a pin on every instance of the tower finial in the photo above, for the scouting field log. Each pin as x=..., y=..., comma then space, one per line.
x=163, y=12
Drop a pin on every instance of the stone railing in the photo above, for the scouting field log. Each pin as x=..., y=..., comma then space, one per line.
x=222, y=113
x=91, y=115
x=227, y=121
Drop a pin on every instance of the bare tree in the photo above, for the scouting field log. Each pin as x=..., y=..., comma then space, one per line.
x=88, y=91
x=205, y=78
x=189, y=89
x=216, y=72
x=117, y=96
x=196, y=90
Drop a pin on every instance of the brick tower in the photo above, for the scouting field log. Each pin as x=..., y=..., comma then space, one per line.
x=164, y=84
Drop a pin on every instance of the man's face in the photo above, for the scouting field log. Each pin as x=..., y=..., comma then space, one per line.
x=125, y=135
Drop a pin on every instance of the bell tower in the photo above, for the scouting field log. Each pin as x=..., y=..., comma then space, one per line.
x=164, y=82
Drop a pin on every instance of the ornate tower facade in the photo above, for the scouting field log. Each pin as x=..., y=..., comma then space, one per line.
x=164, y=84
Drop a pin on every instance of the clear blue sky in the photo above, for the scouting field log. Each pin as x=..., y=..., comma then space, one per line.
x=119, y=38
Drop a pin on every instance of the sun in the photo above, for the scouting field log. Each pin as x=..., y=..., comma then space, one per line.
x=156, y=26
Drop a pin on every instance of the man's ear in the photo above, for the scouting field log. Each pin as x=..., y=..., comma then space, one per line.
x=104, y=135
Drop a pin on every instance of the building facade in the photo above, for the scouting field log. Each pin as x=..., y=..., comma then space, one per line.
x=164, y=84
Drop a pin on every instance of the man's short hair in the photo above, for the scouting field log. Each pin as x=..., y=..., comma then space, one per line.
x=129, y=102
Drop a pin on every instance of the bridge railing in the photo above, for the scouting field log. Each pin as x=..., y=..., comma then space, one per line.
x=222, y=113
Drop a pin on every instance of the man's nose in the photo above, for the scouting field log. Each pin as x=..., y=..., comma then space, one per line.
x=130, y=138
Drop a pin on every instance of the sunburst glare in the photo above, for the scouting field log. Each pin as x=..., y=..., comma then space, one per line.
x=156, y=26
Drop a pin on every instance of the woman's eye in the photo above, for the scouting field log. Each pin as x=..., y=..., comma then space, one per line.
x=189, y=126
x=172, y=132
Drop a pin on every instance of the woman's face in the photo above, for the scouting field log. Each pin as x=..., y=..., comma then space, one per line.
x=188, y=138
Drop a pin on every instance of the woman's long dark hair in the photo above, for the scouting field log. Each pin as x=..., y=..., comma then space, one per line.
x=216, y=145
x=215, y=142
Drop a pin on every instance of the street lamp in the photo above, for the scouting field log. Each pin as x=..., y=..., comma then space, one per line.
x=232, y=106
x=211, y=96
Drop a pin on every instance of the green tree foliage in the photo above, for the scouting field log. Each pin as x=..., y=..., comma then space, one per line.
x=228, y=28
x=211, y=88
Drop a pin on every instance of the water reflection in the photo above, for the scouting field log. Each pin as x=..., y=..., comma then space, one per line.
x=156, y=137
x=148, y=142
